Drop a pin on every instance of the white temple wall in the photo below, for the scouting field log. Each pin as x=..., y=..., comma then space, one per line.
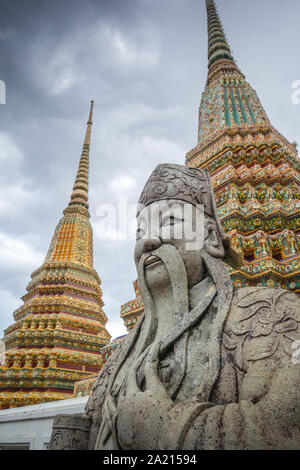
x=29, y=427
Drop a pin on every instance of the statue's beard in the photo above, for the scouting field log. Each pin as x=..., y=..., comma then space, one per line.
x=170, y=270
x=177, y=277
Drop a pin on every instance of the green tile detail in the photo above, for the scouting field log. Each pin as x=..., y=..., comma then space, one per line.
x=244, y=115
x=227, y=113
x=249, y=107
x=234, y=108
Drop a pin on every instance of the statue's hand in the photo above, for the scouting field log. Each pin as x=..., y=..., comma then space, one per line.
x=143, y=416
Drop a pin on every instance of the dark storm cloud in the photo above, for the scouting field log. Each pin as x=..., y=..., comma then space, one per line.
x=144, y=63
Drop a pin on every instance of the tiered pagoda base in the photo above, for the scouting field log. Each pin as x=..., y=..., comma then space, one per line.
x=255, y=174
x=55, y=340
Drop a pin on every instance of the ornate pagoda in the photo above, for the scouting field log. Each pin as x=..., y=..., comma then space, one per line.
x=254, y=170
x=60, y=328
x=255, y=174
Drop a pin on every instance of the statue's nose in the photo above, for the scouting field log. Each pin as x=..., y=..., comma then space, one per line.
x=151, y=244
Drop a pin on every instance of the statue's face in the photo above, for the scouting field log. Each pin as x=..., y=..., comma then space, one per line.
x=169, y=222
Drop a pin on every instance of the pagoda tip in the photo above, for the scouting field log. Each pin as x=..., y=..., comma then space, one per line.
x=91, y=113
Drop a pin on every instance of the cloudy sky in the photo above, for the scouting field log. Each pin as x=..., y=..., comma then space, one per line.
x=144, y=62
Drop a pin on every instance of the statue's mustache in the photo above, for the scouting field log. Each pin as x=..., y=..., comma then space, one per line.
x=155, y=254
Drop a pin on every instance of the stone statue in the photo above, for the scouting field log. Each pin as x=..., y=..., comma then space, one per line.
x=206, y=367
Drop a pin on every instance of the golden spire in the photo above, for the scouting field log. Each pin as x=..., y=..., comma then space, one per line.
x=79, y=195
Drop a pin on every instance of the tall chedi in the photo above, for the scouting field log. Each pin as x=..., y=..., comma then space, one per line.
x=254, y=169
x=255, y=174
x=60, y=328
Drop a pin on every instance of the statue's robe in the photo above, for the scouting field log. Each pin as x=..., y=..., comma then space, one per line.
x=239, y=385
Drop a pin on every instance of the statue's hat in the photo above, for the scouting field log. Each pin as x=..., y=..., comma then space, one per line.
x=191, y=185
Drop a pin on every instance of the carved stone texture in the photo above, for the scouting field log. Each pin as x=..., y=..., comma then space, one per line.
x=70, y=432
x=178, y=182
